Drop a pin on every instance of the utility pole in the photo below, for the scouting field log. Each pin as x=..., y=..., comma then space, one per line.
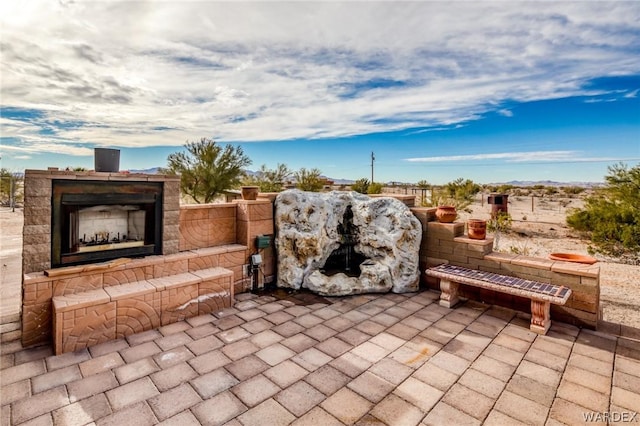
x=373, y=157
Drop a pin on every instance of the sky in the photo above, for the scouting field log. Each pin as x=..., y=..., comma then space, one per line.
x=437, y=90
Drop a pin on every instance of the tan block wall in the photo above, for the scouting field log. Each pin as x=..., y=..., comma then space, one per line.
x=207, y=225
x=256, y=218
x=39, y=289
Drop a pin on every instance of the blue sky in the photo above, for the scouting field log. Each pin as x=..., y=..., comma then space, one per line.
x=490, y=91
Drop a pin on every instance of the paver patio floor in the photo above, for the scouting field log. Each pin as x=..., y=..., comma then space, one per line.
x=303, y=360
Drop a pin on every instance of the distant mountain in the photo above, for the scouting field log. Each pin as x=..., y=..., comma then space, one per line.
x=341, y=181
x=549, y=183
x=151, y=171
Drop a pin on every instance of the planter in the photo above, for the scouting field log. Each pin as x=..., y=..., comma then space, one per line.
x=250, y=192
x=576, y=258
x=446, y=214
x=477, y=229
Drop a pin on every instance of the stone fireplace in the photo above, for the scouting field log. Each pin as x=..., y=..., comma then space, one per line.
x=74, y=218
x=94, y=221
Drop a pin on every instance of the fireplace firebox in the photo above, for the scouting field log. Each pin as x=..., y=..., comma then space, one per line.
x=95, y=221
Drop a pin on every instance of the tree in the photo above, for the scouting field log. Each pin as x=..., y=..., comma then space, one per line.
x=11, y=187
x=207, y=169
x=423, y=184
x=270, y=180
x=309, y=180
x=611, y=217
x=361, y=186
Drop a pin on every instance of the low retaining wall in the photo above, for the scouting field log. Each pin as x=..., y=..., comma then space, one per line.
x=447, y=243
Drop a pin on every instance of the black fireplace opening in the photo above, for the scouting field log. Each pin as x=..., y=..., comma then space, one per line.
x=94, y=221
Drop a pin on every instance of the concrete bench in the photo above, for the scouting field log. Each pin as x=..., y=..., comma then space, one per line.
x=87, y=318
x=541, y=294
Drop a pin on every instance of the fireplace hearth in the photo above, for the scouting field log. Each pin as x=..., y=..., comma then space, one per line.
x=95, y=221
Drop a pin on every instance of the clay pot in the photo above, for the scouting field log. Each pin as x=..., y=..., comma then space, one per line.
x=250, y=192
x=446, y=214
x=477, y=229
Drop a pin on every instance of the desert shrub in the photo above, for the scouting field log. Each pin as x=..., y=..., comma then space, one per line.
x=573, y=190
x=458, y=193
x=498, y=224
x=361, y=186
x=309, y=180
x=504, y=189
x=374, y=188
x=611, y=216
x=270, y=180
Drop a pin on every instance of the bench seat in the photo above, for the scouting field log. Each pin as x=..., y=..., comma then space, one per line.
x=84, y=319
x=541, y=294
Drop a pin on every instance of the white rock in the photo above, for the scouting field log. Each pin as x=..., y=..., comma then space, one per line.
x=386, y=233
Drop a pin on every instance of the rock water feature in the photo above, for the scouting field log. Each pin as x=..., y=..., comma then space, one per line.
x=341, y=243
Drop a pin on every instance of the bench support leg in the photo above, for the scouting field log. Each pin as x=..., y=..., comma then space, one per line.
x=540, y=316
x=448, y=293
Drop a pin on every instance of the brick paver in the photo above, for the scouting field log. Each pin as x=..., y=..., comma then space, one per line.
x=371, y=359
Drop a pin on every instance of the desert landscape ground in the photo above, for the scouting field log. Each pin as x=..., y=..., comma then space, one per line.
x=538, y=230
x=541, y=230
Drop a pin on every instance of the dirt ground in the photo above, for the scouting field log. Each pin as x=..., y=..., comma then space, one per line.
x=10, y=261
x=540, y=229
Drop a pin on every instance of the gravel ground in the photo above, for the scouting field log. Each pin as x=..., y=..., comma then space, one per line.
x=544, y=231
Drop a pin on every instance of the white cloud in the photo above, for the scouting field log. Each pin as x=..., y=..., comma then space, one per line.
x=134, y=74
x=505, y=112
x=515, y=157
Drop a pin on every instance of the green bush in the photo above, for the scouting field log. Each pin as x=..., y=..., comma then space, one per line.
x=361, y=186
x=611, y=217
x=374, y=188
x=309, y=180
x=458, y=193
x=270, y=180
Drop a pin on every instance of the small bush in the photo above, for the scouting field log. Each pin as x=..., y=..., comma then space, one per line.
x=361, y=186
x=374, y=188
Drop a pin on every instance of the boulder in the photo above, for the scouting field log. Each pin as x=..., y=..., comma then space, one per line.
x=381, y=232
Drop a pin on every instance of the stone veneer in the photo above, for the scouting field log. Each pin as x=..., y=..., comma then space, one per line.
x=36, y=251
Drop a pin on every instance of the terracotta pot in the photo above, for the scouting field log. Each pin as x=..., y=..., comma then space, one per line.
x=446, y=214
x=477, y=229
x=250, y=192
x=570, y=257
